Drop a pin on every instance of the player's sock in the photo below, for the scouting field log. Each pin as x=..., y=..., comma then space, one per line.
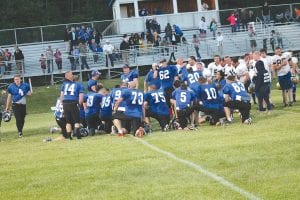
x=294, y=97
x=77, y=133
x=91, y=131
x=69, y=135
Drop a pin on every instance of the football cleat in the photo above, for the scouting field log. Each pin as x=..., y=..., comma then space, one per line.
x=248, y=121
x=20, y=134
x=166, y=128
x=114, y=130
x=146, y=128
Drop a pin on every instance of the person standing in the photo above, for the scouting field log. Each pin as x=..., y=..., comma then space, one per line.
x=220, y=39
x=124, y=47
x=72, y=96
x=196, y=44
x=266, y=13
x=83, y=56
x=19, y=59
x=49, y=56
x=213, y=27
x=108, y=49
x=58, y=59
x=16, y=99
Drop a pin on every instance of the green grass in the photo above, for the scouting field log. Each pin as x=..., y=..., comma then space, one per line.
x=262, y=158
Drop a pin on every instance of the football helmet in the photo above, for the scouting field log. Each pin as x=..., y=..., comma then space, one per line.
x=6, y=116
x=84, y=132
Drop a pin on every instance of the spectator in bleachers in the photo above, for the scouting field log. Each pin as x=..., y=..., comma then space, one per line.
x=178, y=31
x=244, y=19
x=73, y=38
x=125, y=47
x=196, y=44
x=58, y=59
x=279, y=18
x=143, y=12
x=232, y=21
x=265, y=11
x=142, y=41
x=165, y=43
x=67, y=39
x=93, y=47
x=203, y=27
x=42, y=61
x=237, y=19
x=213, y=27
x=272, y=40
x=252, y=17
x=2, y=64
x=204, y=6
x=49, y=56
x=220, y=43
x=7, y=59
x=83, y=55
x=168, y=31
x=72, y=60
x=156, y=39
x=76, y=55
x=96, y=36
x=108, y=49
x=184, y=41
x=297, y=13
x=288, y=15
x=279, y=39
x=252, y=38
x=19, y=59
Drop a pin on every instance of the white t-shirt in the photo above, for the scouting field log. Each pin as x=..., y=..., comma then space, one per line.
x=214, y=68
x=284, y=69
x=241, y=71
x=206, y=73
x=229, y=70
x=220, y=40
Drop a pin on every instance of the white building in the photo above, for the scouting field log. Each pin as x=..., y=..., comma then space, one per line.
x=185, y=13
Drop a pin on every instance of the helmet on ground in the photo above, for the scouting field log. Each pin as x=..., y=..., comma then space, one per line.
x=6, y=116
x=84, y=132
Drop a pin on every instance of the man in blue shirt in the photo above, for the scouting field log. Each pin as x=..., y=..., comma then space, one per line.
x=16, y=98
x=130, y=75
x=92, y=105
x=106, y=110
x=150, y=80
x=72, y=96
x=93, y=81
x=167, y=74
x=211, y=103
x=156, y=107
x=236, y=97
x=182, y=99
x=133, y=112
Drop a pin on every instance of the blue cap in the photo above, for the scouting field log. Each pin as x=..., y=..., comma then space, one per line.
x=125, y=66
x=95, y=73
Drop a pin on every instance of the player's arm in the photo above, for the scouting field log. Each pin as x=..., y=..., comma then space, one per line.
x=8, y=102
x=117, y=104
x=227, y=98
x=80, y=101
x=136, y=81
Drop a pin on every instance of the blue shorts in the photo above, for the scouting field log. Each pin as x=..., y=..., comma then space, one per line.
x=285, y=81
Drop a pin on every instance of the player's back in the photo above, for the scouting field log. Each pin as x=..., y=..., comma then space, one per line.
x=71, y=90
x=93, y=102
x=134, y=99
x=167, y=75
x=116, y=94
x=183, y=98
x=236, y=91
x=106, y=106
x=209, y=96
x=157, y=102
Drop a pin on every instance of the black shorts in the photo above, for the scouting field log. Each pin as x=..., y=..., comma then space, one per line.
x=243, y=106
x=129, y=123
x=71, y=112
x=93, y=121
x=168, y=95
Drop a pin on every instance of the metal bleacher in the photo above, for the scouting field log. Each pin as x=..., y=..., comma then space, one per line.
x=234, y=44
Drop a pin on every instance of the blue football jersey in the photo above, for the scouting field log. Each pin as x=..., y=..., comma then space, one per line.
x=134, y=102
x=236, y=91
x=152, y=81
x=209, y=96
x=192, y=77
x=93, y=103
x=115, y=95
x=18, y=92
x=59, y=110
x=130, y=76
x=71, y=90
x=106, y=107
x=167, y=75
x=183, y=98
x=183, y=72
x=90, y=84
x=157, y=102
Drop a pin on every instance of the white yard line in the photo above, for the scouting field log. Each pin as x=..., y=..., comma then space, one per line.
x=199, y=168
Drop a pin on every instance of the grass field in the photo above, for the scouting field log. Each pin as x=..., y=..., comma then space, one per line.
x=261, y=159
